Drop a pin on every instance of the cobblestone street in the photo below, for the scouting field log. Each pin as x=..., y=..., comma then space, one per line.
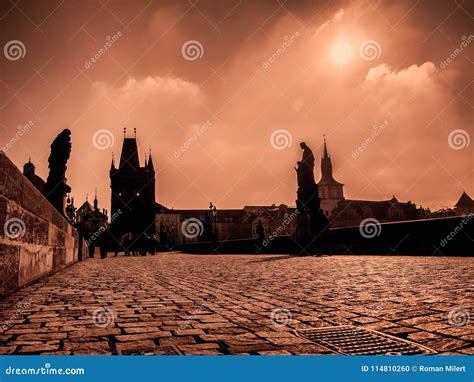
x=239, y=304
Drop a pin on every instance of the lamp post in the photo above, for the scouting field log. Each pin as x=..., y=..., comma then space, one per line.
x=213, y=209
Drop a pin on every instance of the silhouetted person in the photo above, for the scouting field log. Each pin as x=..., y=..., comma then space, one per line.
x=91, y=248
x=260, y=231
x=163, y=236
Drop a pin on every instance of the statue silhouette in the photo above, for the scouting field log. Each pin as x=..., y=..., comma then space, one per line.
x=311, y=221
x=55, y=189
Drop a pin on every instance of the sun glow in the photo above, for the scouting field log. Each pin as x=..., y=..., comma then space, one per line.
x=340, y=52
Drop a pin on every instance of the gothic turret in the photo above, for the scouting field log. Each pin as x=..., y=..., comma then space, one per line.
x=330, y=190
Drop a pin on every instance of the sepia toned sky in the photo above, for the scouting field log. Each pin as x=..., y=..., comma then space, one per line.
x=224, y=91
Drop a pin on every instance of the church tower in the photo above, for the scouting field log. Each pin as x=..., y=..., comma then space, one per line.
x=330, y=190
x=133, y=193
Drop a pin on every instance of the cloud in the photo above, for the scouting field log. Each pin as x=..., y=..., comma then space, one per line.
x=335, y=18
x=149, y=87
x=412, y=76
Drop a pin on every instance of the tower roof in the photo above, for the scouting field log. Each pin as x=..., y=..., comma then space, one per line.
x=325, y=154
x=326, y=168
x=129, y=158
x=464, y=201
x=150, y=163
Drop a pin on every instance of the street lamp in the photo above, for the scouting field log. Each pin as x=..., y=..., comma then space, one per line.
x=214, y=215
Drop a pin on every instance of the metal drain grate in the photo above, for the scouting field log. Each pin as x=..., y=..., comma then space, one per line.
x=160, y=350
x=355, y=340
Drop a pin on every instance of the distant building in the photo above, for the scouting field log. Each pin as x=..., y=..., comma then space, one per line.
x=464, y=206
x=352, y=212
x=133, y=193
x=276, y=220
x=29, y=172
x=225, y=224
x=345, y=212
x=330, y=190
x=90, y=219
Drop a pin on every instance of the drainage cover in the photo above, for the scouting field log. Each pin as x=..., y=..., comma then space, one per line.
x=355, y=340
x=161, y=350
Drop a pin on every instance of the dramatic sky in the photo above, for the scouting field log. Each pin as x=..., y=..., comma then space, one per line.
x=225, y=117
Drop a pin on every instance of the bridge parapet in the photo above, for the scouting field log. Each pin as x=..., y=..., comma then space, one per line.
x=35, y=239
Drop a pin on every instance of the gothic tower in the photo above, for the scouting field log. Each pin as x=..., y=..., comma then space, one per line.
x=133, y=193
x=330, y=190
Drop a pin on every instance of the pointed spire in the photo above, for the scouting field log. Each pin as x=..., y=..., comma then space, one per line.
x=150, y=162
x=135, y=132
x=124, y=132
x=112, y=165
x=96, y=202
x=325, y=154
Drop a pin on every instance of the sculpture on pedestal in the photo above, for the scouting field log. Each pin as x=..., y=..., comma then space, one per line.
x=56, y=188
x=312, y=224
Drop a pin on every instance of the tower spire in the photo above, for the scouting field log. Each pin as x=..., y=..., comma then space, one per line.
x=96, y=202
x=150, y=161
x=124, y=132
x=325, y=154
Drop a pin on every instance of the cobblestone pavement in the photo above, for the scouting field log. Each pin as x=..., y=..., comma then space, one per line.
x=209, y=304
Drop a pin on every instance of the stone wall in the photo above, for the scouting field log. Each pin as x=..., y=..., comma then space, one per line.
x=35, y=239
x=450, y=236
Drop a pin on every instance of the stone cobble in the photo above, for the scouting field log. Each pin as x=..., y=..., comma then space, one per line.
x=238, y=304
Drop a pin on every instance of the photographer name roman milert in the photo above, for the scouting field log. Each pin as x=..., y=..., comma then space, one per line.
x=440, y=369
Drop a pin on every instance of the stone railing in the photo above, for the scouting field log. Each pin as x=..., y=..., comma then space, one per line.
x=450, y=236
x=35, y=239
